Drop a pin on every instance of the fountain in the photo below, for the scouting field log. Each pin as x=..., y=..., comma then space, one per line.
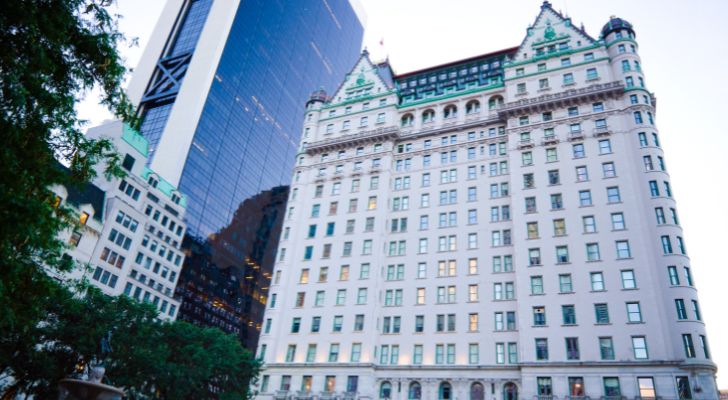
x=92, y=388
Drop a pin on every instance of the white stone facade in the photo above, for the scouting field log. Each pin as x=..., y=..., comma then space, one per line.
x=131, y=245
x=541, y=253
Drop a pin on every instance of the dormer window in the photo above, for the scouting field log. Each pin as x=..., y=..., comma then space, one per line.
x=428, y=116
x=450, y=112
x=153, y=182
x=176, y=198
x=408, y=120
x=473, y=107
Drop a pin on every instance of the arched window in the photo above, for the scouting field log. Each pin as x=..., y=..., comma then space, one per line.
x=385, y=391
x=494, y=102
x=415, y=391
x=153, y=180
x=408, y=120
x=510, y=391
x=473, y=107
x=428, y=116
x=450, y=111
x=445, y=391
x=477, y=392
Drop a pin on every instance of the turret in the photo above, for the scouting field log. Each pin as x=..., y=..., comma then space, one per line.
x=617, y=25
x=316, y=99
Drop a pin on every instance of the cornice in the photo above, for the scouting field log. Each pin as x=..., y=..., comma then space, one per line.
x=599, y=91
x=356, y=139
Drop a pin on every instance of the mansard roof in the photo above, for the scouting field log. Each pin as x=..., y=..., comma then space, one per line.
x=549, y=28
x=365, y=77
x=504, y=52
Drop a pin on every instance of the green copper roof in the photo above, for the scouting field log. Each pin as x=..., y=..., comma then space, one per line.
x=135, y=139
x=164, y=186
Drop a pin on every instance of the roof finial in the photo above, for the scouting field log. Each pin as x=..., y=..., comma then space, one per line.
x=545, y=4
x=365, y=52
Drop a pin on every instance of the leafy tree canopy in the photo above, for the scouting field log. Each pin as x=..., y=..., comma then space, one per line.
x=52, y=52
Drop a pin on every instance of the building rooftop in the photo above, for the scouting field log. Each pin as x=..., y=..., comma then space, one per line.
x=616, y=24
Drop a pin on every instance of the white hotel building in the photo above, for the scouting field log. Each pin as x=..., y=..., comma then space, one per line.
x=131, y=228
x=500, y=227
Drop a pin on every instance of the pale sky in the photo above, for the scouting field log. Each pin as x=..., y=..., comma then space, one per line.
x=684, y=56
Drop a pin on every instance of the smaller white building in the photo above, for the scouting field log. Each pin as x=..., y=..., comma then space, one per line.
x=132, y=227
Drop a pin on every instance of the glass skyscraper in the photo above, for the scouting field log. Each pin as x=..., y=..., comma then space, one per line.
x=221, y=89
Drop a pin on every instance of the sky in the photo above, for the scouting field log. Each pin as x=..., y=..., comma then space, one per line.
x=684, y=56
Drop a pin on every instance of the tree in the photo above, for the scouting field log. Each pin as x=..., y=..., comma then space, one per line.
x=150, y=359
x=51, y=53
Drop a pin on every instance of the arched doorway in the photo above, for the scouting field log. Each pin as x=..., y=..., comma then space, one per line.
x=445, y=391
x=385, y=390
x=415, y=391
x=510, y=391
x=477, y=391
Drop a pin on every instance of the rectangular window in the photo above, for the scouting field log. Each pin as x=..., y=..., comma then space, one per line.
x=628, y=279
x=634, y=313
x=639, y=346
x=611, y=387
x=606, y=348
x=688, y=345
x=572, y=348
x=623, y=249
x=542, y=349
x=646, y=386
x=565, y=284
x=597, y=281
x=581, y=174
x=569, y=315
x=683, y=388
x=539, y=316
x=601, y=312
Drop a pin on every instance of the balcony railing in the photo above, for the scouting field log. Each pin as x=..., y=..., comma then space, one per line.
x=525, y=143
x=357, y=138
x=601, y=131
x=562, y=99
x=576, y=135
x=550, y=140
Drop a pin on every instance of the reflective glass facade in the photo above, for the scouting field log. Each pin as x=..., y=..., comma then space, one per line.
x=277, y=52
x=158, y=103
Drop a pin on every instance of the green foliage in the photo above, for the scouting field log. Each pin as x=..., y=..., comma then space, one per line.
x=51, y=53
x=150, y=359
